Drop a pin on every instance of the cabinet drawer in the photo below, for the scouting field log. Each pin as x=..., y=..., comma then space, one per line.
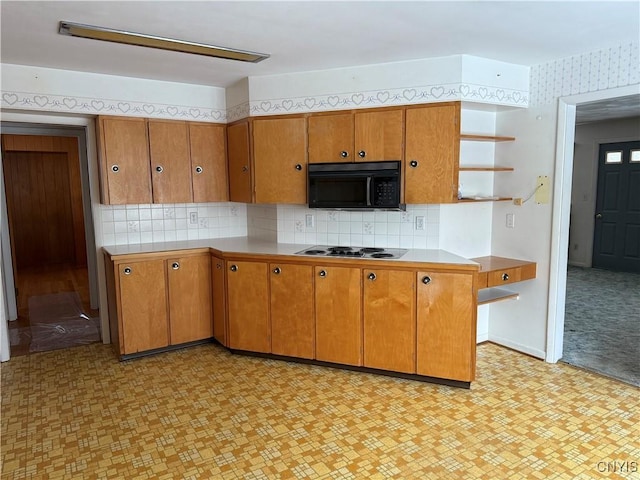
x=510, y=275
x=496, y=271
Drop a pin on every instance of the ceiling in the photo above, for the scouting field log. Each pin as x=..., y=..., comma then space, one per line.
x=309, y=35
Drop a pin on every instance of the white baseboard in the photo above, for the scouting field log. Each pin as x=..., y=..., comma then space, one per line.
x=534, y=352
x=482, y=337
x=578, y=264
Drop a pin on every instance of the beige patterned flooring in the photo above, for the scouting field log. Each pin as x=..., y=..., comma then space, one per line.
x=203, y=413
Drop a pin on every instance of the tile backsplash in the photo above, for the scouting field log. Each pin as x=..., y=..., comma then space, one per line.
x=299, y=224
x=131, y=224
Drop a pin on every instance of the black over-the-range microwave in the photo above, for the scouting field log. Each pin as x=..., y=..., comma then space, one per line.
x=355, y=186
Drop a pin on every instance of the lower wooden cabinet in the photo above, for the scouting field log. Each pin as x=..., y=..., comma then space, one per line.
x=157, y=302
x=142, y=306
x=389, y=305
x=248, y=306
x=394, y=319
x=338, y=296
x=219, y=298
x=189, y=281
x=446, y=325
x=291, y=300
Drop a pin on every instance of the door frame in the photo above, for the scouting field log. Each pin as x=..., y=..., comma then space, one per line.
x=58, y=125
x=565, y=137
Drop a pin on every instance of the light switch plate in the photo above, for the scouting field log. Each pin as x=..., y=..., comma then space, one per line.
x=543, y=191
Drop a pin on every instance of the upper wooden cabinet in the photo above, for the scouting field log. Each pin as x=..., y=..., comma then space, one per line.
x=268, y=160
x=208, y=148
x=363, y=136
x=432, y=153
x=170, y=161
x=123, y=149
x=184, y=162
x=280, y=160
x=331, y=138
x=239, y=158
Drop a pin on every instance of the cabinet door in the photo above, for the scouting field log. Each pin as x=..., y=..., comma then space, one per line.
x=208, y=162
x=189, y=281
x=240, y=184
x=143, y=306
x=124, y=160
x=446, y=326
x=378, y=136
x=432, y=154
x=170, y=162
x=389, y=320
x=292, y=325
x=280, y=160
x=248, y=305
x=331, y=138
x=338, y=296
x=219, y=301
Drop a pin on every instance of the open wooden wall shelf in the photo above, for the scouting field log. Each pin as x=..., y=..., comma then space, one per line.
x=486, y=138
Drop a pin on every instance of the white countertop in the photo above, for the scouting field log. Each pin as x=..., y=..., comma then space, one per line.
x=246, y=245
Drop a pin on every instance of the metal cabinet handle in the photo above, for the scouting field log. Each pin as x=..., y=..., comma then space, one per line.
x=505, y=277
x=322, y=273
x=344, y=154
x=245, y=168
x=413, y=163
x=371, y=276
x=298, y=167
x=233, y=268
x=362, y=154
x=127, y=270
x=115, y=168
x=277, y=270
x=198, y=169
x=175, y=265
x=426, y=280
x=159, y=169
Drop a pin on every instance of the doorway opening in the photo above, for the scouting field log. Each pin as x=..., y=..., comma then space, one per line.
x=601, y=329
x=48, y=225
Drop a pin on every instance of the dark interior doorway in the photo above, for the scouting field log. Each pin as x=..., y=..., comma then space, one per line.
x=616, y=244
x=44, y=197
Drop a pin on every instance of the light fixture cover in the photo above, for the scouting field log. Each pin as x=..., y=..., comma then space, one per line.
x=142, y=40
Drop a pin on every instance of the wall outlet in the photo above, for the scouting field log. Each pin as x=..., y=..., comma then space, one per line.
x=511, y=220
x=420, y=222
x=193, y=218
x=309, y=220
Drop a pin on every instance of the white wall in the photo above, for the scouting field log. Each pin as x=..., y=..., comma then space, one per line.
x=522, y=324
x=585, y=180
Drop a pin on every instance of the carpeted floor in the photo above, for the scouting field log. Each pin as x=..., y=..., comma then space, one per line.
x=602, y=322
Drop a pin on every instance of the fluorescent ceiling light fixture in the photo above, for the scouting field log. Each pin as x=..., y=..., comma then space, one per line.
x=142, y=40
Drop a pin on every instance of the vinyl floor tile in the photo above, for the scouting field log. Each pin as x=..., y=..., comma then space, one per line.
x=202, y=413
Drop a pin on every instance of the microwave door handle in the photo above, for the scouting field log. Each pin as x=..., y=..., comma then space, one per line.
x=368, y=191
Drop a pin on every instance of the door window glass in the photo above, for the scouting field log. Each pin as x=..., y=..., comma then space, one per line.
x=635, y=155
x=614, y=157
